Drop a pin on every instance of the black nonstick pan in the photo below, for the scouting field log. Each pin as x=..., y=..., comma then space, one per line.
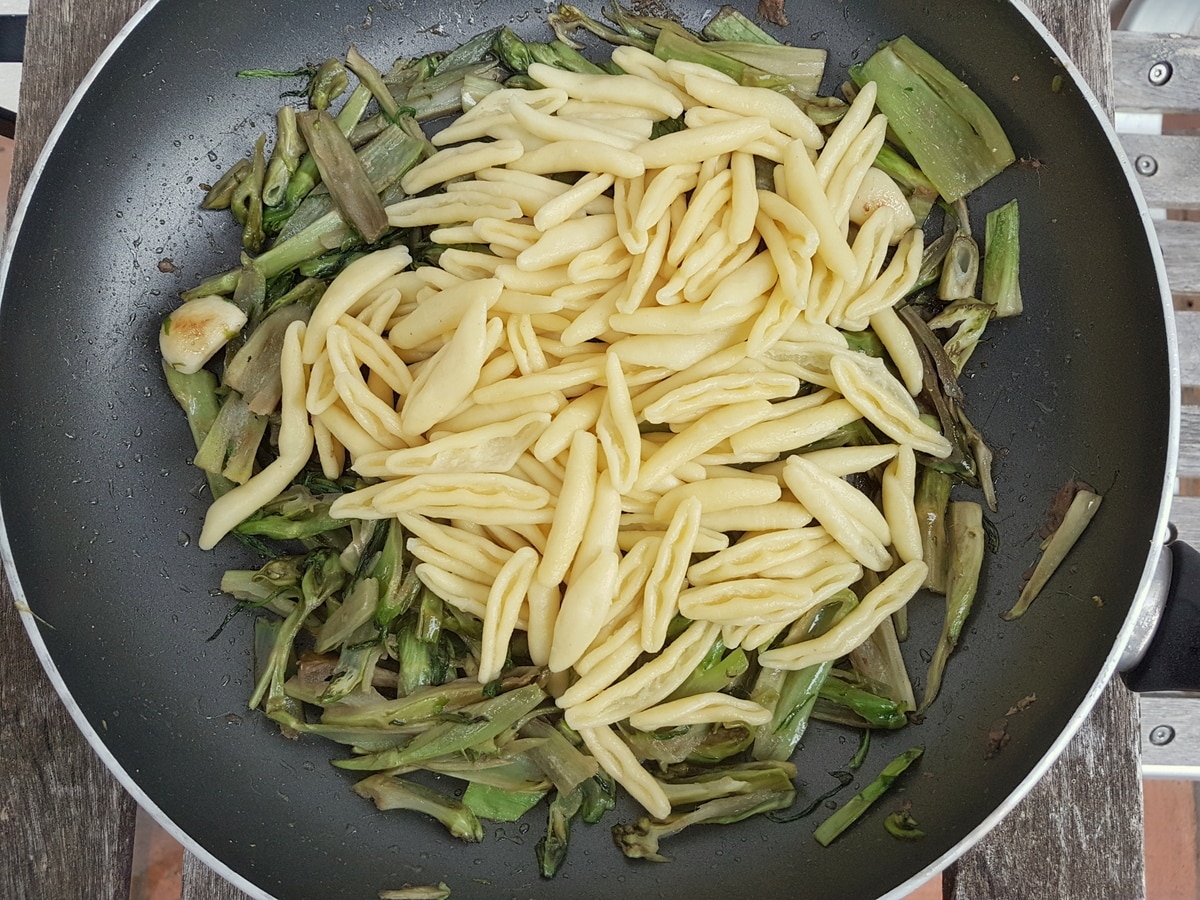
x=101, y=509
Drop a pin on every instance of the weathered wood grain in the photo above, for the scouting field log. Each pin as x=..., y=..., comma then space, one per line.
x=1134, y=54
x=1078, y=834
x=66, y=825
x=202, y=883
x=1179, y=241
x=1168, y=167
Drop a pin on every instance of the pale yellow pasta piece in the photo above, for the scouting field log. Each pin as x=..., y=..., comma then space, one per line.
x=505, y=598
x=493, y=108
x=702, y=210
x=884, y=402
x=581, y=414
x=513, y=302
x=687, y=403
x=449, y=209
x=747, y=601
x=440, y=314
x=605, y=669
x=572, y=201
x=543, y=602
x=540, y=281
x=675, y=351
x=357, y=441
x=701, y=435
x=848, y=175
x=627, y=198
x=843, y=461
x=901, y=347
x=472, y=568
x=754, y=279
x=584, y=610
x=698, y=709
x=461, y=593
x=807, y=360
x=449, y=377
x=581, y=156
x=359, y=504
x=600, y=264
x=628, y=89
x=684, y=318
x=846, y=513
x=667, y=184
x=776, y=318
x=780, y=111
x=847, y=130
x=554, y=128
x=893, y=593
x=465, y=159
x=718, y=494
x=536, y=472
x=798, y=429
x=650, y=684
x=661, y=594
x=714, y=364
x=744, y=199
x=524, y=344
x=757, y=552
x=572, y=509
x=490, y=448
x=617, y=428
x=373, y=351
x=878, y=189
x=330, y=452
x=564, y=242
x=694, y=145
x=644, y=270
x=615, y=758
x=893, y=284
x=791, y=220
x=782, y=514
x=295, y=447
x=580, y=371
x=899, y=487
x=456, y=541
x=806, y=193
x=430, y=492
x=348, y=288
x=469, y=264
x=824, y=557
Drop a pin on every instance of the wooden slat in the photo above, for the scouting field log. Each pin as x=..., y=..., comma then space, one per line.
x=202, y=883
x=1173, y=181
x=1185, y=514
x=1187, y=327
x=66, y=825
x=1179, y=241
x=1134, y=54
x=1189, y=442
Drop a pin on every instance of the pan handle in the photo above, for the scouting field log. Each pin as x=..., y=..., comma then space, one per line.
x=1171, y=661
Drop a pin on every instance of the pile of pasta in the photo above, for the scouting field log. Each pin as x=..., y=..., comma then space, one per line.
x=592, y=425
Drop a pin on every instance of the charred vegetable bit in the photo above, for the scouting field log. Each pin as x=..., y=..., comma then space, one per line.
x=1084, y=505
x=829, y=830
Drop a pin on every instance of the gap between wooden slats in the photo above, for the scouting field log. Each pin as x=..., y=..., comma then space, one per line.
x=1134, y=54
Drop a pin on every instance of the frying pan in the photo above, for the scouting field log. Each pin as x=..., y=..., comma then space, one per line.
x=100, y=507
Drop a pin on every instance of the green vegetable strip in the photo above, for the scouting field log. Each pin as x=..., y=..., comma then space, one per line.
x=675, y=43
x=967, y=546
x=831, y=828
x=1002, y=260
x=931, y=500
x=391, y=792
x=551, y=850
x=730, y=24
x=1083, y=507
x=285, y=157
x=960, y=269
x=484, y=721
x=878, y=712
x=945, y=127
x=342, y=173
x=499, y=804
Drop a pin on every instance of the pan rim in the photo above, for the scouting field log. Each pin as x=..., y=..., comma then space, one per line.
x=1144, y=596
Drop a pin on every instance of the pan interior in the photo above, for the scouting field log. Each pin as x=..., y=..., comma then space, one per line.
x=101, y=508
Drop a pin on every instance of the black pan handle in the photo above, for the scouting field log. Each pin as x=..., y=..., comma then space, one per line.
x=1172, y=660
x=12, y=49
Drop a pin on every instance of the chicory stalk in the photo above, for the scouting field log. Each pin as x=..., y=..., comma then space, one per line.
x=968, y=318
x=551, y=850
x=1084, y=506
x=967, y=543
x=246, y=204
x=220, y=194
x=342, y=173
x=563, y=763
x=232, y=442
x=729, y=780
x=297, y=513
x=567, y=19
x=831, y=828
x=285, y=157
x=392, y=792
x=360, y=652
x=944, y=125
x=932, y=500
x=254, y=371
x=499, y=804
x=876, y=711
x=1002, y=260
x=197, y=394
x=718, y=671
x=879, y=658
x=960, y=269
x=480, y=723
x=641, y=839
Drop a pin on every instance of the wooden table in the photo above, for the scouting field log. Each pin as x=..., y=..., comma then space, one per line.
x=66, y=825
